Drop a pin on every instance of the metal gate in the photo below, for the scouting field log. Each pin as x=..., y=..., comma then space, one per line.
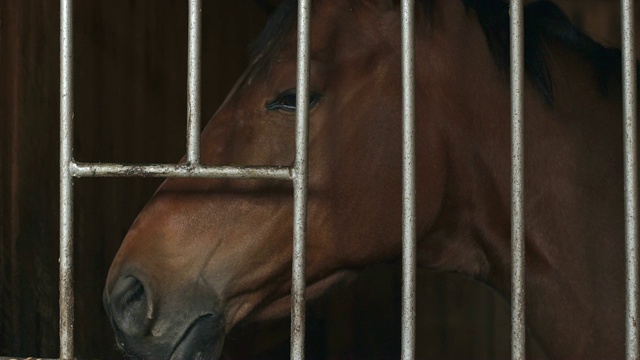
x=298, y=173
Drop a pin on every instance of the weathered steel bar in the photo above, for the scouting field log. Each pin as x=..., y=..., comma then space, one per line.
x=181, y=170
x=408, y=183
x=630, y=176
x=517, y=196
x=193, y=82
x=66, y=179
x=298, y=285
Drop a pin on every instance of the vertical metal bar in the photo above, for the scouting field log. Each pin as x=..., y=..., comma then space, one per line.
x=630, y=177
x=193, y=82
x=517, y=195
x=66, y=180
x=300, y=183
x=408, y=183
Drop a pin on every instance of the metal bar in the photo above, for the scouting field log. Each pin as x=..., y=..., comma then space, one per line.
x=193, y=82
x=169, y=170
x=630, y=177
x=66, y=179
x=408, y=183
x=517, y=195
x=300, y=183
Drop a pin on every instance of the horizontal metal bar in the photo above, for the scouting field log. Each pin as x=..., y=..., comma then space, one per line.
x=28, y=358
x=181, y=170
x=19, y=358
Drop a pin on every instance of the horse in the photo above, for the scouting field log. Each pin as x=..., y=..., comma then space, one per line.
x=205, y=254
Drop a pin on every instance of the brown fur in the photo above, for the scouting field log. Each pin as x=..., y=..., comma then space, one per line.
x=230, y=241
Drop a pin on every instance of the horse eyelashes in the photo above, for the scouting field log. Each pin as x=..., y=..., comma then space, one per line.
x=287, y=101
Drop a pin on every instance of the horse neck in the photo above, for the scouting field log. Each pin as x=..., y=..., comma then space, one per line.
x=573, y=194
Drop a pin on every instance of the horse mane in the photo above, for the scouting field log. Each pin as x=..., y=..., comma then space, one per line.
x=544, y=22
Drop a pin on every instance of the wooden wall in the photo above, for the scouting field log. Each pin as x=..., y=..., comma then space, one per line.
x=130, y=80
x=130, y=106
x=28, y=108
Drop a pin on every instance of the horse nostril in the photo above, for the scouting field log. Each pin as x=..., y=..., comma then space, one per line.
x=129, y=306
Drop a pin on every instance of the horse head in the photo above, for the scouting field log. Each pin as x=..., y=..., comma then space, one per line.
x=204, y=254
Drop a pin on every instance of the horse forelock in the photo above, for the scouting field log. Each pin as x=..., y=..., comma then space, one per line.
x=279, y=22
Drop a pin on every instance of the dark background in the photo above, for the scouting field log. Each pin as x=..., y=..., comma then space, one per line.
x=130, y=106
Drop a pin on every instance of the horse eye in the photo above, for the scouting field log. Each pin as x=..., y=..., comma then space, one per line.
x=287, y=101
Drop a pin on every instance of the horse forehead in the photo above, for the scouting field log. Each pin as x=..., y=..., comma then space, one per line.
x=351, y=23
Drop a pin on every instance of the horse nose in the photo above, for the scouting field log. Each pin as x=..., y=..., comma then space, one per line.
x=129, y=306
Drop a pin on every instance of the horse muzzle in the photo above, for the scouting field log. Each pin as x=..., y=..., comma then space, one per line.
x=172, y=333
x=198, y=342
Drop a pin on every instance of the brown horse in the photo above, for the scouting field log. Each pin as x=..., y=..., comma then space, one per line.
x=205, y=254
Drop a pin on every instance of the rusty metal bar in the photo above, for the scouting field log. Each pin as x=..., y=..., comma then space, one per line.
x=181, y=170
x=193, y=82
x=66, y=179
x=517, y=195
x=408, y=183
x=630, y=177
x=298, y=285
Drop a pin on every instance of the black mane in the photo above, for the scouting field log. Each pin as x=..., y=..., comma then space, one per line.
x=544, y=22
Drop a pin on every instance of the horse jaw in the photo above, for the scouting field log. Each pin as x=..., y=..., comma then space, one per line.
x=282, y=306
